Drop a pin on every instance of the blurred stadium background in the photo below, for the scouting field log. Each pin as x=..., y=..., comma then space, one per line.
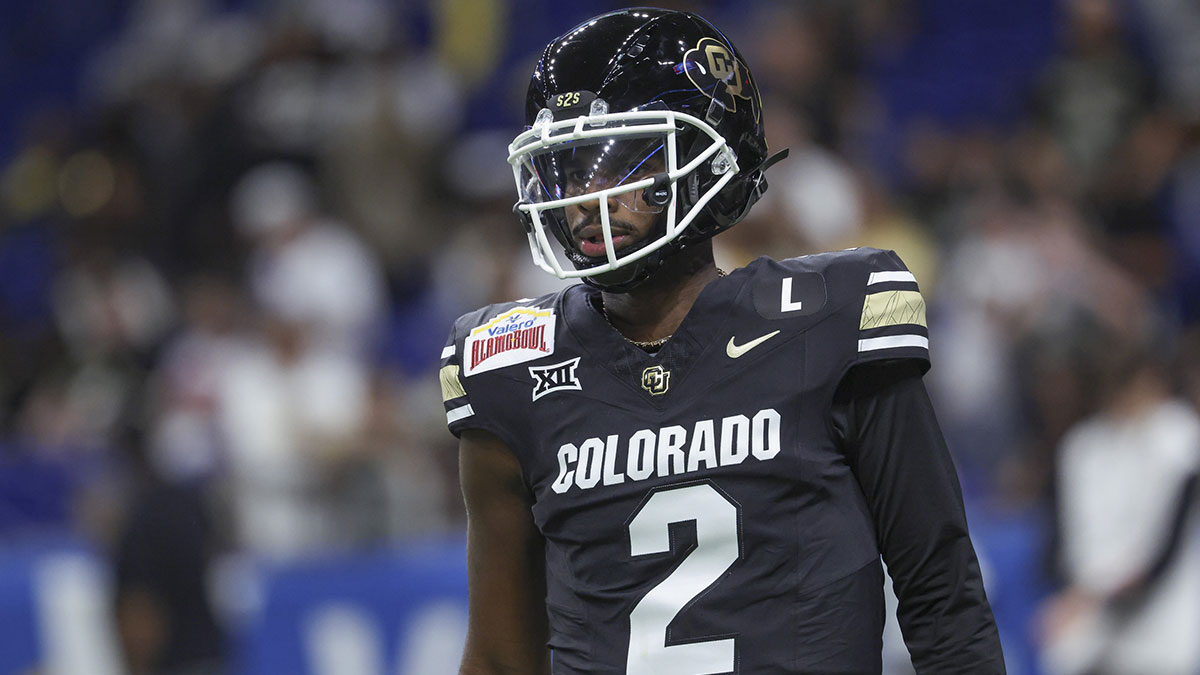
x=234, y=233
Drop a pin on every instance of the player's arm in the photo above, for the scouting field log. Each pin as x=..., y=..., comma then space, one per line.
x=507, y=630
x=896, y=448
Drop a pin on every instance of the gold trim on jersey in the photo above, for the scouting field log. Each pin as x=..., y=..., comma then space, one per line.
x=451, y=386
x=892, y=308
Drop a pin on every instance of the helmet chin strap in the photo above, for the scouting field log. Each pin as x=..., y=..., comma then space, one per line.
x=760, y=181
x=645, y=270
x=620, y=280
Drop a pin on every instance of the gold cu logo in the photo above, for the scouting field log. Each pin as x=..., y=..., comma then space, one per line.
x=709, y=62
x=722, y=65
x=656, y=380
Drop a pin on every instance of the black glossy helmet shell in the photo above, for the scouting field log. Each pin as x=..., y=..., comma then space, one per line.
x=647, y=58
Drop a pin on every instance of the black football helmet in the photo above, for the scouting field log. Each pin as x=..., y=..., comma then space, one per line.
x=655, y=109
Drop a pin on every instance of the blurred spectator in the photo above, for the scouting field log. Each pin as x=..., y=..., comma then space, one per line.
x=1183, y=215
x=305, y=267
x=1094, y=90
x=1173, y=25
x=185, y=441
x=110, y=305
x=1189, y=371
x=1130, y=547
x=164, y=617
x=821, y=196
x=389, y=484
x=287, y=404
x=171, y=530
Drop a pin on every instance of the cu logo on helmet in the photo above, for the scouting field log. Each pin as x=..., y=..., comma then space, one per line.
x=656, y=380
x=711, y=61
x=723, y=66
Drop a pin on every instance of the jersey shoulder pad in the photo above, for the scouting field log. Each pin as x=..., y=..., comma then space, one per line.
x=890, y=310
x=876, y=300
x=488, y=340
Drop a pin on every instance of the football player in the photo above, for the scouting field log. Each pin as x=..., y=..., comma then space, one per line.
x=669, y=469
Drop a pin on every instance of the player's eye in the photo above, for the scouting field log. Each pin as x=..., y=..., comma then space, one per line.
x=578, y=178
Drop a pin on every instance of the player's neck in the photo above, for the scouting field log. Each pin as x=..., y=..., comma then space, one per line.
x=655, y=309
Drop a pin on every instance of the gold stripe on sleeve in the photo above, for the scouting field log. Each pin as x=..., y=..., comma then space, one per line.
x=451, y=385
x=892, y=308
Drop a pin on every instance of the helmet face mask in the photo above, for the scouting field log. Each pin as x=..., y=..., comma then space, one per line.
x=573, y=174
x=638, y=114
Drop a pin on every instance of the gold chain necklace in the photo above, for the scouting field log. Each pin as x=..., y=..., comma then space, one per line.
x=649, y=344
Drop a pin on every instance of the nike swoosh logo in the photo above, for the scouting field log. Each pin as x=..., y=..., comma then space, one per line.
x=735, y=351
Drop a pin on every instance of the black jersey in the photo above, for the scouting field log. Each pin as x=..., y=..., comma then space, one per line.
x=700, y=510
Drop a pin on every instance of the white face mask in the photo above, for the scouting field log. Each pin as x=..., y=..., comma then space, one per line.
x=632, y=158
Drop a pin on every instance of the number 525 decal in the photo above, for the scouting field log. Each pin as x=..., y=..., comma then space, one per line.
x=567, y=100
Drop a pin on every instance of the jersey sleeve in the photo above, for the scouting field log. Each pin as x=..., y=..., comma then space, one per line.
x=891, y=314
x=469, y=403
x=480, y=401
x=460, y=415
x=887, y=425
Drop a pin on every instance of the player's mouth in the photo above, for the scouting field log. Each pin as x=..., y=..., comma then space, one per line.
x=590, y=240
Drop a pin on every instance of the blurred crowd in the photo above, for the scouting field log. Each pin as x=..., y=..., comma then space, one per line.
x=227, y=270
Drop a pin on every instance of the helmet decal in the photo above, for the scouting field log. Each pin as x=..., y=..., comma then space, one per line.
x=711, y=62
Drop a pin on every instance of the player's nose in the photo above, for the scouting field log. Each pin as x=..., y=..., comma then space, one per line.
x=593, y=205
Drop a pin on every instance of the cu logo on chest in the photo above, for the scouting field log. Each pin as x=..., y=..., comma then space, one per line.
x=656, y=380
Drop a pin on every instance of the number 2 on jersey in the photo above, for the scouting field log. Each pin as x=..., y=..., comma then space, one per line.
x=717, y=546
